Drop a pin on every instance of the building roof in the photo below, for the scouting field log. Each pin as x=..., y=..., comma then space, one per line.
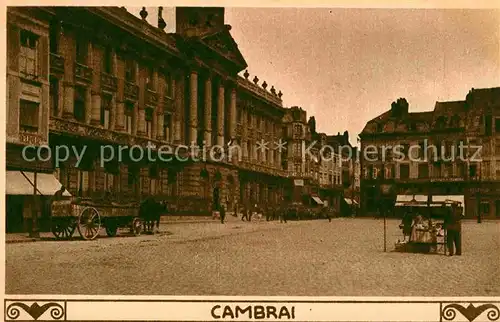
x=444, y=115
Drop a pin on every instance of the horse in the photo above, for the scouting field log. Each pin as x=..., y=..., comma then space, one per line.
x=150, y=212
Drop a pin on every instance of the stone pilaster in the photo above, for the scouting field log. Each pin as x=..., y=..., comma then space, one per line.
x=220, y=115
x=94, y=107
x=141, y=122
x=178, y=90
x=159, y=126
x=271, y=152
x=193, y=106
x=69, y=100
x=60, y=99
x=278, y=159
x=208, y=111
x=244, y=133
x=113, y=112
x=120, y=115
x=244, y=147
x=66, y=44
x=155, y=79
x=232, y=113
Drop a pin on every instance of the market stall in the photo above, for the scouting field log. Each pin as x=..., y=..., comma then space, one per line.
x=423, y=222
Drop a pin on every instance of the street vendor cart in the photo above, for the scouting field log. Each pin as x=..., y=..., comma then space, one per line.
x=426, y=216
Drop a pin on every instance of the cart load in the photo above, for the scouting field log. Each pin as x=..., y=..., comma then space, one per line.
x=89, y=217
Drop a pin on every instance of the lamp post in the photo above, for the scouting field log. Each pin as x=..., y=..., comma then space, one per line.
x=478, y=195
x=383, y=192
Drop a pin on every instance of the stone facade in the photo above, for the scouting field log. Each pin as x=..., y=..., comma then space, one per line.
x=473, y=123
x=110, y=85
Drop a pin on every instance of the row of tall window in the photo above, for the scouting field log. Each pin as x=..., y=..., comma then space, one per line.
x=82, y=182
x=29, y=119
x=29, y=111
x=81, y=46
x=439, y=170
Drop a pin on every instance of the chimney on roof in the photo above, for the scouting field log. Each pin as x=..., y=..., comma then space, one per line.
x=399, y=108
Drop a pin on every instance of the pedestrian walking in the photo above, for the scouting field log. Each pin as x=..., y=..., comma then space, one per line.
x=283, y=214
x=405, y=225
x=453, y=226
x=244, y=212
x=325, y=212
x=222, y=212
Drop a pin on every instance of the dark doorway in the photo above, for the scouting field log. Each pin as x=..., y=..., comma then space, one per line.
x=497, y=208
x=216, y=197
x=14, y=214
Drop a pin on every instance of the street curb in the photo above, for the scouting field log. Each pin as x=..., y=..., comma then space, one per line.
x=20, y=241
x=33, y=240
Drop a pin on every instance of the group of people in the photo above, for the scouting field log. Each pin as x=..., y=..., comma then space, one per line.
x=247, y=211
x=282, y=211
x=452, y=226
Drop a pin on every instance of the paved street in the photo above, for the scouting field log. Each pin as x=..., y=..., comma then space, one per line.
x=310, y=258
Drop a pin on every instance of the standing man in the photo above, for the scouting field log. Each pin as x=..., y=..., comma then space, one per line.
x=244, y=212
x=326, y=211
x=453, y=226
x=222, y=212
x=283, y=212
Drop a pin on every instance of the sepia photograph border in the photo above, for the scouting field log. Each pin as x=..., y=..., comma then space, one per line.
x=202, y=308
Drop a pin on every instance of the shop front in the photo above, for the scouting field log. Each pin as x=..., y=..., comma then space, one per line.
x=29, y=185
x=28, y=193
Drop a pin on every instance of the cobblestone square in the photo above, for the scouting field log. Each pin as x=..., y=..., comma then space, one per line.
x=308, y=258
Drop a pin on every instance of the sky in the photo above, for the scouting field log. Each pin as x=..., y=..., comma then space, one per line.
x=345, y=66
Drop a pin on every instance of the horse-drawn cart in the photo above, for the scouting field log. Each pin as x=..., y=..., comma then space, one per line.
x=88, y=218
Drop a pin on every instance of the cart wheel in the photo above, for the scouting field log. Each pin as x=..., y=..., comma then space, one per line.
x=111, y=230
x=63, y=230
x=89, y=223
x=136, y=226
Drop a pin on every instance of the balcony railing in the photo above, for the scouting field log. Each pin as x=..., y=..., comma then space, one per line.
x=56, y=63
x=83, y=73
x=109, y=82
x=131, y=91
x=151, y=98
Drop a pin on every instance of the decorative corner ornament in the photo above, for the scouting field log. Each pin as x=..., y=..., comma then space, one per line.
x=471, y=312
x=35, y=311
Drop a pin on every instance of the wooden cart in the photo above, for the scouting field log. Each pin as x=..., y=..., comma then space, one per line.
x=88, y=218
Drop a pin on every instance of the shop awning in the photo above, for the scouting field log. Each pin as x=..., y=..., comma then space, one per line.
x=17, y=184
x=22, y=183
x=317, y=200
x=449, y=199
x=405, y=200
x=350, y=201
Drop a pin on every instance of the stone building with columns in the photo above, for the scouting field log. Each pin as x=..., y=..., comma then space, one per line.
x=112, y=86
